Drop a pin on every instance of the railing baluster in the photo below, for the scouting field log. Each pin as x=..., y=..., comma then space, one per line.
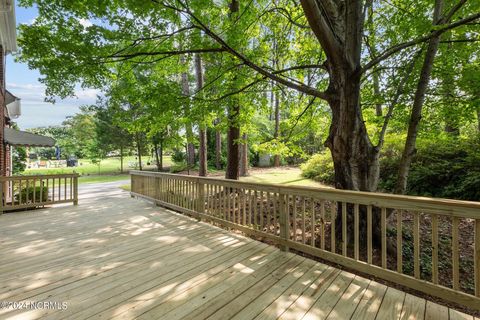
x=224, y=196
x=20, y=192
x=234, y=204
x=344, y=228
x=369, y=234
x=284, y=219
x=477, y=257
x=250, y=207
x=294, y=224
x=274, y=200
x=333, y=211
x=455, y=253
x=41, y=190
x=303, y=220
x=399, y=242
x=322, y=224
x=229, y=212
x=416, y=245
x=434, y=248
x=383, y=227
x=27, y=191
x=34, y=190
x=356, y=222
x=261, y=210
x=312, y=222
x=256, y=222
x=269, y=219
x=244, y=210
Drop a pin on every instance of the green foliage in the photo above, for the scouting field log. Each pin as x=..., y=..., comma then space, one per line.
x=19, y=158
x=30, y=192
x=319, y=168
x=178, y=156
x=444, y=167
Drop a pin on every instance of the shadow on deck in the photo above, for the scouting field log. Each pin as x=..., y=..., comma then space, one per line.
x=116, y=257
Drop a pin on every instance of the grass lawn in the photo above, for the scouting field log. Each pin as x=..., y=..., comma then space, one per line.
x=107, y=171
x=291, y=176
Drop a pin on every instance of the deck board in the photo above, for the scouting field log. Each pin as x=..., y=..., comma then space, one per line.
x=113, y=257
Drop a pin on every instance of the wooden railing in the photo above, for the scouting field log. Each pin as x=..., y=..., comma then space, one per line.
x=21, y=192
x=430, y=245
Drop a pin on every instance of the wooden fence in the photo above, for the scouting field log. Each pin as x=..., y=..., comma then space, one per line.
x=21, y=192
x=430, y=245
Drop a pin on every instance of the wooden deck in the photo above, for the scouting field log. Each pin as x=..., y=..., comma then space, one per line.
x=114, y=257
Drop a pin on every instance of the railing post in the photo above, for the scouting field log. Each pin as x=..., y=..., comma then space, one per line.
x=75, y=190
x=284, y=221
x=2, y=200
x=200, y=204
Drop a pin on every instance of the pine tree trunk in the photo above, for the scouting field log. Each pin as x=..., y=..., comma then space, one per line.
x=160, y=166
x=218, y=148
x=188, y=125
x=448, y=86
x=121, y=158
x=139, y=152
x=233, y=134
x=376, y=91
x=478, y=119
x=157, y=159
x=244, y=156
x=416, y=114
x=202, y=151
x=276, y=133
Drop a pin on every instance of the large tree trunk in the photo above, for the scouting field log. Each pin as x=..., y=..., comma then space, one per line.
x=160, y=152
x=218, y=146
x=478, y=119
x=139, y=151
x=356, y=160
x=202, y=151
x=416, y=114
x=244, y=156
x=157, y=156
x=452, y=126
x=188, y=125
x=276, y=133
x=233, y=135
x=377, y=93
x=121, y=158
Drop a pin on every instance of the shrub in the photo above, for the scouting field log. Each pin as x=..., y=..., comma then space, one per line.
x=31, y=191
x=320, y=168
x=445, y=168
x=178, y=167
x=178, y=156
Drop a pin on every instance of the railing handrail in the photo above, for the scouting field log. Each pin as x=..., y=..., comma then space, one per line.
x=297, y=217
x=449, y=207
x=39, y=176
x=13, y=196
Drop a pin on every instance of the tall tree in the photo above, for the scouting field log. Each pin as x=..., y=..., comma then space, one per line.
x=202, y=130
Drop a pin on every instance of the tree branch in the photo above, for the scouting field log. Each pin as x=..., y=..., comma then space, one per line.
x=435, y=33
x=157, y=53
x=271, y=75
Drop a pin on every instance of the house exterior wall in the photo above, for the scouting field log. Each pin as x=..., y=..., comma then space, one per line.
x=3, y=148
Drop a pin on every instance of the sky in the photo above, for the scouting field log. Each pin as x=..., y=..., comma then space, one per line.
x=23, y=83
